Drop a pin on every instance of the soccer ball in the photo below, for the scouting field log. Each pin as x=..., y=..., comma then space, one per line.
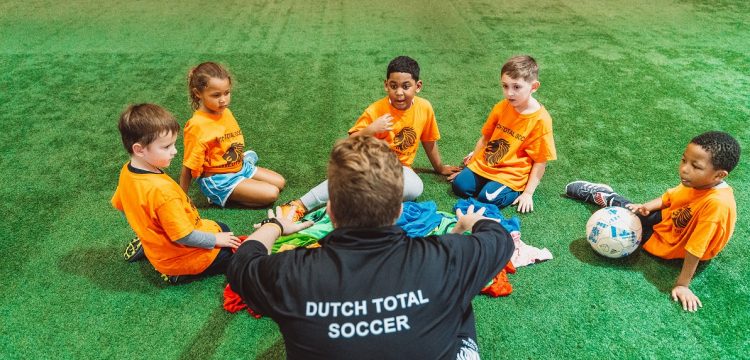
x=614, y=232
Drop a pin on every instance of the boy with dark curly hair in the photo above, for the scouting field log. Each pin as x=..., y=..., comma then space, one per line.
x=692, y=221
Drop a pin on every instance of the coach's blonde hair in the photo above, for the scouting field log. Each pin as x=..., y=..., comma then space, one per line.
x=365, y=183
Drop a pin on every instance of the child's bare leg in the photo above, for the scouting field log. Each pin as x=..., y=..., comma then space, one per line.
x=270, y=176
x=254, y=193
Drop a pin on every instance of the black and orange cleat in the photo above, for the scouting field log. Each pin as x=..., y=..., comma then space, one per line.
x=299, y=211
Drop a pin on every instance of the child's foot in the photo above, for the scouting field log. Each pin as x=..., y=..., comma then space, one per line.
x=604, y=198
x=299, y=213
x=134, y=251
x=170, y=279
x=584, y=190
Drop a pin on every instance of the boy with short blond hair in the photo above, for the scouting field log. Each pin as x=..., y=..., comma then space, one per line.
x=692, y=221
x=401, y=119
x=174, y=238
x=510, y=157
x=370, y=291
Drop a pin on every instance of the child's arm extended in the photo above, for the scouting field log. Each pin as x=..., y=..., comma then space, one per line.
x=431, y=149
x=206, y=240
x=186, y=178
x=525, y=201
x=647, y=208
x=681, y=291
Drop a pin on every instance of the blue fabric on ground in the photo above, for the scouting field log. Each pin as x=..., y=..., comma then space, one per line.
x=490, y=211
x=419, y=219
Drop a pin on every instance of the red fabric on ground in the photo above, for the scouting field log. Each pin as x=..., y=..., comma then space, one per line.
x=232, y=301
x=500, y=284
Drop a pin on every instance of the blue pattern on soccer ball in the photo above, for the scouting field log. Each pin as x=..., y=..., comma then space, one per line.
x=613, y=232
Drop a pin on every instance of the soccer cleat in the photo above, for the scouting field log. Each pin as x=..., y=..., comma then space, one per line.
x=134, y=251
x=299, y=213
x=584, y=190
x=609, y=198
x=170, y=279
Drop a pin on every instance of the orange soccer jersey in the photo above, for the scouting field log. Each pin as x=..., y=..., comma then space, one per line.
x=417, y=123
x=159, y=212
x=696, y=221
x=514, y=143
x=213, y=144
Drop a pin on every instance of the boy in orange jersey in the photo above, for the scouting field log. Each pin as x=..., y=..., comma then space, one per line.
x=174, y=238
x=694, y=220
x=510, y=157
x=401, y=119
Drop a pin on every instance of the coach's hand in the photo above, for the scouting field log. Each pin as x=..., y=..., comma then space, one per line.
x=287, y=222
x=466, y=222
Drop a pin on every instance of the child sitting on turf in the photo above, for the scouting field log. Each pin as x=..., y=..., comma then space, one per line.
x=510, y=157
x=692, y=221
x=402, y=120
x=215, y=148
x=174, y=238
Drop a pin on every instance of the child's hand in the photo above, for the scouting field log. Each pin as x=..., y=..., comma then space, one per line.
x=684, y=295
x=227, y=239
x=467, y=158
x=638, y=209
x=466, y=222
x=451, y=177
x=381, y=124
x=525, y=203
x=448, y=170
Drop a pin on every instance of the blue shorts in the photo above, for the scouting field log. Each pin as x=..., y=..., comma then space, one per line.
x=218, y=187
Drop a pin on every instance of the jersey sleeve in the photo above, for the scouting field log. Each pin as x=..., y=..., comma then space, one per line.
x=430, y=131
x=489, y=125
x=708, y=230
x=247, y=276
x=195, y=151
x=703, y=234
x=173, y=219
x=666, y=198
x=479, y=256
x=364, y=120
x=116, y=200
x=542, y=147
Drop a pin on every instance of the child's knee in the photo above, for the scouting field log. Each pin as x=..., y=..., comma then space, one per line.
x=412, y=190
x=267, y=195
x=280, y=183
x=272, y=194
x=460, y=190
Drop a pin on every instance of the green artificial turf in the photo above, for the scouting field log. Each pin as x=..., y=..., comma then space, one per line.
x=628, y=84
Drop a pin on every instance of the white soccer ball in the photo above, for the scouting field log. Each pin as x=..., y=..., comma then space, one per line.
x=614, y=232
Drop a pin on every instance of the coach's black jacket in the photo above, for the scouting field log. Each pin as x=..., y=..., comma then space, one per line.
x=373, y=294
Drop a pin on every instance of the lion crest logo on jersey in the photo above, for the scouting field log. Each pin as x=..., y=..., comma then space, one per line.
x=495, y=150
x=681, y=217
x=234, y=153
x=405, y=139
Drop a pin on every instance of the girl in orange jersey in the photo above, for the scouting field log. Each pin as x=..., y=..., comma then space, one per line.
x=215, y=152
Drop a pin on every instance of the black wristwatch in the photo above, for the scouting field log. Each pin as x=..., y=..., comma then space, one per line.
x=274, y=221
